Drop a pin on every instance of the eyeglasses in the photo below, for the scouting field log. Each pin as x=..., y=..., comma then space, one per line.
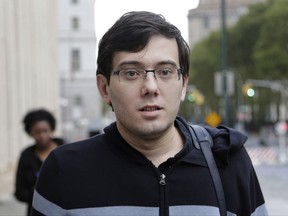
x=134, y=75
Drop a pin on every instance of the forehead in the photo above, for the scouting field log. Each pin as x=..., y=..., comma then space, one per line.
x=159, y=50
x=39, y=125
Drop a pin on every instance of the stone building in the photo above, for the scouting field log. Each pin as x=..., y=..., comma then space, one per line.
x=207, y=17
x=80, y=101
x=28, y=71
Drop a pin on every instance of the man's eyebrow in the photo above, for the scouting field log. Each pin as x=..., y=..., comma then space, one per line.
x=138, y=63
x=125, y=63
x=168, y=62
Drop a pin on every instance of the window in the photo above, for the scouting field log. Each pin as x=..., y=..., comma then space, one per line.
x=206, y=22
x=75, y=60
x=78, y=100
x=75, y=23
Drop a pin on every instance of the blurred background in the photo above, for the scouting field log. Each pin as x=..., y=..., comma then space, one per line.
x=238, y=77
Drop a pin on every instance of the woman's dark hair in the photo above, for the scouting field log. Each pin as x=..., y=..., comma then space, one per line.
x=132, y=32
x=35, y=116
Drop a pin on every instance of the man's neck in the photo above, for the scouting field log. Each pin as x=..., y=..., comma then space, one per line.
x=160, y=149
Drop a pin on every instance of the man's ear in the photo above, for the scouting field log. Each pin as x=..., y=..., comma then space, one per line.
x=184, y=88
x=102, y=84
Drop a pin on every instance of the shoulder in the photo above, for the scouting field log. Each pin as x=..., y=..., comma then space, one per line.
x=73, y=157
x=27, y=156
x=85, y=157
x=226, y=142
x=87, y=146
x=92, y=150
x=26, y=152
x=59, y=141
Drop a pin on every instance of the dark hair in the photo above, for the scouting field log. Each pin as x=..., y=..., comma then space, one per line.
x=132, y=32
x=35, y=116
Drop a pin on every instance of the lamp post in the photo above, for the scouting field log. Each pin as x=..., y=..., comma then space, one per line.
x=224, y=63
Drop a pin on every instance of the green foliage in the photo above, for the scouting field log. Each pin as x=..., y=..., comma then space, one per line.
x=242, y=40
x=257, y=49
x=271, y=51
x=205, y=60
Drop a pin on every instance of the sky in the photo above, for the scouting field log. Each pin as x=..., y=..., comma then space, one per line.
x=108, y=11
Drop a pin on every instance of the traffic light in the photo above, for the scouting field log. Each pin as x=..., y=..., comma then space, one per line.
x=195, y=96
x=250, y=92
x=191, y=97
x=247, y=90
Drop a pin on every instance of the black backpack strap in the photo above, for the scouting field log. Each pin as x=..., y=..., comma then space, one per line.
x=202, y=140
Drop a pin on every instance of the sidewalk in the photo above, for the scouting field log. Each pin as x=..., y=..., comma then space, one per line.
x=274, y=183
x=9, y=206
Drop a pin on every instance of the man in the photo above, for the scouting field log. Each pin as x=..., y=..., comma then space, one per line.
x=145, y=163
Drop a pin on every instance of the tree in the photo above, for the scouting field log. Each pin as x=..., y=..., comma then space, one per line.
x=205, y=61
x=242, y=40
x=257, y=49
x=271, y=50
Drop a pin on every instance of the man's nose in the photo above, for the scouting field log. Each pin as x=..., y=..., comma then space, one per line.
x=150, y=84
x=150, y=73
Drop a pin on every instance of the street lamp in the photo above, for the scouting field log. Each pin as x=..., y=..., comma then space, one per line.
x=224, y=63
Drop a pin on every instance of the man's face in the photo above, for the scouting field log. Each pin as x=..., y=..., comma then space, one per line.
x=147, y=108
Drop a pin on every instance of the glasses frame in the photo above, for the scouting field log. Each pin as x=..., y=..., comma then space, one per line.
x=179, y=72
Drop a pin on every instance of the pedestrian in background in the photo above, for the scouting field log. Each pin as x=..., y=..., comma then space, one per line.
x=39, y=124
x=145, y=163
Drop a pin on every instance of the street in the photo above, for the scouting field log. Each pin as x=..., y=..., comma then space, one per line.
x=274, y=182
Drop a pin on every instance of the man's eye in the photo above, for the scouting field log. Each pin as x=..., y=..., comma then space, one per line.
x=165, y=72
x=130, y=74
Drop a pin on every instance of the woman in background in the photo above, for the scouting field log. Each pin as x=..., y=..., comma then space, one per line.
x=40, y=125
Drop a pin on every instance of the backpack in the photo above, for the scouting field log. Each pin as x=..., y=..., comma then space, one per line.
x=203, y=141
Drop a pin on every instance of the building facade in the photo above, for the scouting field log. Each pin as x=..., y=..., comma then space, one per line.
x=80, y=101
x=28, y=71
x=207, y=17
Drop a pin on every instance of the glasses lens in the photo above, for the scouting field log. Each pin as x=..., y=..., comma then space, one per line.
x=163, y=75
x=166, y=74
x=131, y=75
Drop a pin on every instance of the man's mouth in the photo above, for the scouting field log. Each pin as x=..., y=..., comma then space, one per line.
x=150, y=108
